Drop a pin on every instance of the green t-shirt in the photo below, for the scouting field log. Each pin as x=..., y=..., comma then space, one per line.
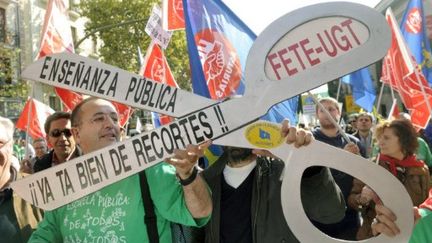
x=422, y=231
x=18, y=151
x=116, y=213
x=423, y=152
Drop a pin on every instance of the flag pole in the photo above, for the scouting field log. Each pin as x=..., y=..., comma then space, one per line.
x=338, y=90
x=392, y=93
x=393, y=107
x=332, y=120
x=26, y=152
x=379, y=97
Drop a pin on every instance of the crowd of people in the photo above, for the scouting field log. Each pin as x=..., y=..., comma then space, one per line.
x=236, y=199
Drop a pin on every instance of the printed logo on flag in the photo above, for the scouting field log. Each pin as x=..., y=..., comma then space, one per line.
x=264, y=135
x=157, y=69
x=221, y=64
x=177, y=7
x=413, y=22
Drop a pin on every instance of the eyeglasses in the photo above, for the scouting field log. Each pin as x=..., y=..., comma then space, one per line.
x=57, y=133
x=100, y=118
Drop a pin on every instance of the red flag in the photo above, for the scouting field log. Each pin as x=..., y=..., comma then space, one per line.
x=402, y=74
x=172, y=15
x=35, y=113
x=56, y=38
x=124, y=112
x=394, y=111
x=156, y=68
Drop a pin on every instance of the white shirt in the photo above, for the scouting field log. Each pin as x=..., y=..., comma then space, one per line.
x=235, y=176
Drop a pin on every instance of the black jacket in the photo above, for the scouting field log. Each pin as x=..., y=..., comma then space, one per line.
x=347, y=228
x=46, y=161
x=268, y=221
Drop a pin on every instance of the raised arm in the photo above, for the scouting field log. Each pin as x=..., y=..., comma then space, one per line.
x=196, y=192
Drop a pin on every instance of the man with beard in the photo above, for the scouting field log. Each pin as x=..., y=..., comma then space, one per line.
x=246, y=194
x=59, y=136
x=328, y=133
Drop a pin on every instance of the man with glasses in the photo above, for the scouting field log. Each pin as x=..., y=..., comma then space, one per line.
x=59, y=137
x=18, y=219
x=116, y=212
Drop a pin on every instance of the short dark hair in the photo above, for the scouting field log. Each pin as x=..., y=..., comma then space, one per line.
x=404, y=130
x=54, y=117
x=76, y=112
x=366, y=114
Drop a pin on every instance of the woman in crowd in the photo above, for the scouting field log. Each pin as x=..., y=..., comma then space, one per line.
x=397, y=141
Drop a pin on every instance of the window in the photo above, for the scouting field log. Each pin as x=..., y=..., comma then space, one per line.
x=5, y=70
x=2, y=25
x=55, y=103
x=74, y=35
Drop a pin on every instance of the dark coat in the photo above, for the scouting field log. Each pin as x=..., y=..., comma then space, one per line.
x=348, y=227
x=18, y=218
x=46, y=161
x=268, y=221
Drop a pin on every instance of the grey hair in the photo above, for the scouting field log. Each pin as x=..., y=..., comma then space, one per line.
x=8, y=126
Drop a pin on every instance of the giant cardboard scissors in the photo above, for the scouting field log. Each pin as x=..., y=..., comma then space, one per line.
x=300, y=51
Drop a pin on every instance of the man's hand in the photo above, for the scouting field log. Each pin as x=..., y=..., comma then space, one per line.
x=384, y=222
x=26, y=166
x=292, y=135
x=352, y=147
x=185, y=160
x=196, y=193
x=367, y=195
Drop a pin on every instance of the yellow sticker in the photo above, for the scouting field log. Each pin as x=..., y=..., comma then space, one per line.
x=264, y=135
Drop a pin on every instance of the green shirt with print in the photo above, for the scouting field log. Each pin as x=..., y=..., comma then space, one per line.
x=116, y=213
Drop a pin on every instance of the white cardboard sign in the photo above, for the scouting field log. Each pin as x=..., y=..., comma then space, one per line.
x=269, y=57
x=88, y=76
x=154, y=28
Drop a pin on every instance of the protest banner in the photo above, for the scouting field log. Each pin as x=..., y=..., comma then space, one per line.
x=322, y=41
x=154, y=28
x=88, y=76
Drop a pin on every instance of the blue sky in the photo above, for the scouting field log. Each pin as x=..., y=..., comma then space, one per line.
x=259, y=14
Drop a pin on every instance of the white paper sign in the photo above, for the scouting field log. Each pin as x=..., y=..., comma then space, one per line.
x=64, y=183
x=154, y=28
x=88, y=76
